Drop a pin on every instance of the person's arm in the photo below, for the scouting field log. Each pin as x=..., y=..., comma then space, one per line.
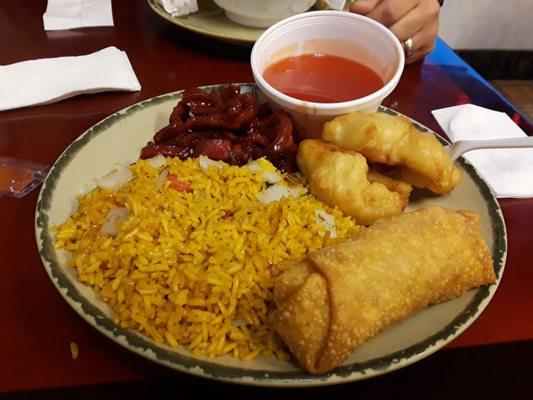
x=417, y=20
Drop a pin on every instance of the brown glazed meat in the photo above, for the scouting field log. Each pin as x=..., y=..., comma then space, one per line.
x=225, y=125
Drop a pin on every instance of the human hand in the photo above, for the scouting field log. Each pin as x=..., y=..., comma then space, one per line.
x=417, y=20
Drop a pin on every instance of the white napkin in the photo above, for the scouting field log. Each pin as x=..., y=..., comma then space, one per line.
x=508, y=171
x=331, y=4
x=178, y=8
x=48, y=80
x=68, y=14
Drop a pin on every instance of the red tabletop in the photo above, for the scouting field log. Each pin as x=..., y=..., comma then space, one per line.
x=37, y=325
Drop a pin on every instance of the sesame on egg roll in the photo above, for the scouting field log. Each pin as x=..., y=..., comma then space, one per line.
x=339, y=297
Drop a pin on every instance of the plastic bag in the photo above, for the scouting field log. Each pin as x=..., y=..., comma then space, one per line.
x=19, y=177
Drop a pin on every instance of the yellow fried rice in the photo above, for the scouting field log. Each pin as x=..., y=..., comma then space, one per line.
x=195, y=267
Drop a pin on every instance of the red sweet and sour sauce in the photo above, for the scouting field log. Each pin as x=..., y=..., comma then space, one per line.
x=322, y=78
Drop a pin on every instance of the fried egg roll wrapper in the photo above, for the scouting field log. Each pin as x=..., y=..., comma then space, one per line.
x=339, y=297
x=420, y=158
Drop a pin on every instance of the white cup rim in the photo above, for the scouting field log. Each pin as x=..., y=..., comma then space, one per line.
x=381, y=93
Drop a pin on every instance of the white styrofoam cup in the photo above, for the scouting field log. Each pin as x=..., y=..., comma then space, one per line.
x=331, y=32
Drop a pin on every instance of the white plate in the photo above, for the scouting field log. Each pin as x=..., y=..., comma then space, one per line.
x=120, y=137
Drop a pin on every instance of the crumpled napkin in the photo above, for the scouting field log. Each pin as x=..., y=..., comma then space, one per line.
x=49, y=80
x=178, y=8
x=508, y=171
x=68, y=14
x=331, y=4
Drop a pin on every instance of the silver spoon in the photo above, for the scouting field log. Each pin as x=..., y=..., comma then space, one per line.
x=457, y=149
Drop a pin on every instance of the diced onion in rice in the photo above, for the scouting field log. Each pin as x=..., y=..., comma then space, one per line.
x=206, y=162
x=326, y=221
x=116, y=178
x=113, y=220
x=255, y=167
x=271, y=177
x=157, y=161
x=160, y=181
x=276, y=192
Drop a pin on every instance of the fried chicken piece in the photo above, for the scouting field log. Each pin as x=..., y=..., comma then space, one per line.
x=402, y=188
x=342, y=179
x=382, y=138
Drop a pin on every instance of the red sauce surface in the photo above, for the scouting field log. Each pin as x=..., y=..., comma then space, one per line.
x=322, y=78
x=14, y=179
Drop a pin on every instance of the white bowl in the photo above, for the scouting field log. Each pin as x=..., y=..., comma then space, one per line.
x=332, y=32
x=262, y=13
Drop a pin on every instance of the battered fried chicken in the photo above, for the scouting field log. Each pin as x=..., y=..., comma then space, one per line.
x=419, y=157
x=342, y=179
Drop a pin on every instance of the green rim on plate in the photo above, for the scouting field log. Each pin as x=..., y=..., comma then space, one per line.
x=208, y=368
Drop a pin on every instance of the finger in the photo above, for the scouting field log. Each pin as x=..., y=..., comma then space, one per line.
x=409, y=25
x=363, y=7
x=425, y=15
x=415, y=56
x=423, y=43
x=390, y=11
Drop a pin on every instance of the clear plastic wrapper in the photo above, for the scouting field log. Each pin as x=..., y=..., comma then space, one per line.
x=19, y=177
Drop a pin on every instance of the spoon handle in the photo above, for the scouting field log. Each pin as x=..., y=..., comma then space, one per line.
x=457, y=149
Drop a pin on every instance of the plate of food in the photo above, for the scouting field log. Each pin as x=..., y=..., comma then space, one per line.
x=211, y=21
x=241, y=21
x=196, y=230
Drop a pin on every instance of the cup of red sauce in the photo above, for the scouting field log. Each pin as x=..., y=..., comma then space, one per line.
x=321, y=64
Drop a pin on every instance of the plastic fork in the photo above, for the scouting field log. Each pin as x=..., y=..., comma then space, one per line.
x=457, y=149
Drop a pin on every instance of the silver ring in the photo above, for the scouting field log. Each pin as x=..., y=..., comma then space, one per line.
x=408, y=47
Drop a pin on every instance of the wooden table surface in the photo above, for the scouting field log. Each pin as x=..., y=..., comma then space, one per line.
x=37, y=325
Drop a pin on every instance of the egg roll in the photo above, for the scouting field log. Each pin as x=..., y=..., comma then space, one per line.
x=340, y=296
x=420, y=158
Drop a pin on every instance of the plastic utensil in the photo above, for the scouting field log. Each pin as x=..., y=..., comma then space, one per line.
x=457, y=149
